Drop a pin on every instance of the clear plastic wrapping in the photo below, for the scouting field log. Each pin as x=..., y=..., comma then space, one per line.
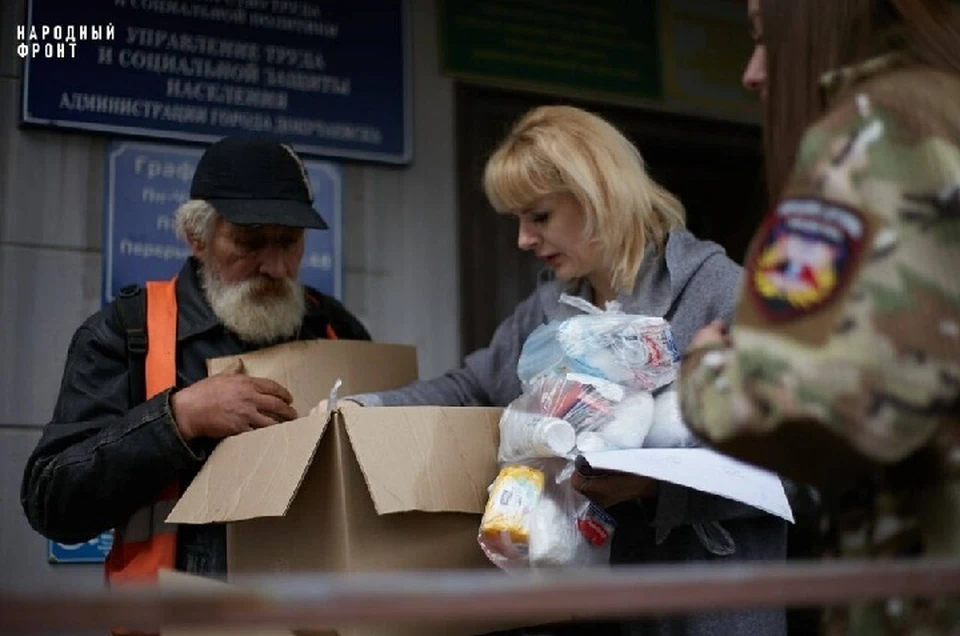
x=637, y=352
x=535, y=519
x=589, y=384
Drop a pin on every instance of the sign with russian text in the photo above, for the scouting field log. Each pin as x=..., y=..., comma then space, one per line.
x=601, y=47
x=145, y=183
x=331, y=78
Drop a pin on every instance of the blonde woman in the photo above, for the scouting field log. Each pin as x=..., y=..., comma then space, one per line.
x=586, y=207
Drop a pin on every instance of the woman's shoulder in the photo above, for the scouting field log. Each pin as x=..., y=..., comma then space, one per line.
x=912, y=87
x=914, y=103
x=896, y=132
x=705, y=281
x=688, y=257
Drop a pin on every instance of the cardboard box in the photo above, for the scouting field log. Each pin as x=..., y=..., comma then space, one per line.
x=366, y=489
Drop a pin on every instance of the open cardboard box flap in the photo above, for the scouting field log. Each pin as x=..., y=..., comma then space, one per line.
x=430, y=459
x=309, y=368
x=252, y=475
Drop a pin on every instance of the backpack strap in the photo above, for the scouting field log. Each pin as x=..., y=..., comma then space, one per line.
x=145, y=543
x=131, y=311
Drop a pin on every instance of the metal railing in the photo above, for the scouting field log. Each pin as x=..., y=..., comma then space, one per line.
x=295, y=600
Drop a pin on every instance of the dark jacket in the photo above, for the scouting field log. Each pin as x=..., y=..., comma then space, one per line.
x=101, y=458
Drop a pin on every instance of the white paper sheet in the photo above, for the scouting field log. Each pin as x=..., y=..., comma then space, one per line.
x=704, y=470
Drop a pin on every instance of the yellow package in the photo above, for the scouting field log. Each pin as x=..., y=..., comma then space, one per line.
x=505, y=527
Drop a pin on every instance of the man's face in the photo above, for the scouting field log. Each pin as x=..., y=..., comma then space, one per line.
x=249, y=277
x=267, y=252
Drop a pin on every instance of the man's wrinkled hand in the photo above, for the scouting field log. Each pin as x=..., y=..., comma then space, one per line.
x=230, y=403
x=607, y=488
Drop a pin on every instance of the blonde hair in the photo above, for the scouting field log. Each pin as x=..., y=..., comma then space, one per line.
x=195, y=219
x=562, y=149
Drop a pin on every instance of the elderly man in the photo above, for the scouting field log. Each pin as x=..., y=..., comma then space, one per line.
x=136, y=417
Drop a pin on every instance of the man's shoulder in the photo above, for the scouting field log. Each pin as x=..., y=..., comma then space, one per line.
x=101, y=326
x=329, y=309
x=321, y=303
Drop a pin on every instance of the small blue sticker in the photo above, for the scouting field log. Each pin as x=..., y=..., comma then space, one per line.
x=93, y=551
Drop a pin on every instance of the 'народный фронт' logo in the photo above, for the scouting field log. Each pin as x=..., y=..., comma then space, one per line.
x=58, y=41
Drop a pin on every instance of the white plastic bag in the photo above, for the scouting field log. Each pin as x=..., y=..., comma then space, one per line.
x=634, y=351
x=588, y=385
x=534, y=519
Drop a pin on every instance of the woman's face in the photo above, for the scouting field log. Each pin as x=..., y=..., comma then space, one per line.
x=755, y=75
x=553, y=229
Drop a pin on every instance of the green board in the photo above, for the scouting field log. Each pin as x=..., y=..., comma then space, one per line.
x=608, y=47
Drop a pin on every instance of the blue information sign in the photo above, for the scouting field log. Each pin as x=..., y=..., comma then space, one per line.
x=145, y=183
x=331, y=78
x=92, y=551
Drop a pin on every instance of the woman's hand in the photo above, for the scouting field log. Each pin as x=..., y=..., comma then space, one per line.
x=607, y=488
x=321, y=406
x=713, y=335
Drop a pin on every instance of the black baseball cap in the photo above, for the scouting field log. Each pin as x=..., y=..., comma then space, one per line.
x=256, y=181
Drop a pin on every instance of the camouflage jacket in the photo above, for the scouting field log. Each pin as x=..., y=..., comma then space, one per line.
x=842, y=368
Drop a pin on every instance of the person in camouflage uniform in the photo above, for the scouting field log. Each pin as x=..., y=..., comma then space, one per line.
x=842, y=366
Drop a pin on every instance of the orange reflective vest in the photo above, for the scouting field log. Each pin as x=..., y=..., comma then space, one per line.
x=146, y=543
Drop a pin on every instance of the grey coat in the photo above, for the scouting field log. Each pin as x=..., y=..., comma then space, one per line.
x=690, y=283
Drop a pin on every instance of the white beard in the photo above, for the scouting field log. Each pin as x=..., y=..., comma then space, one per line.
x=260, y=310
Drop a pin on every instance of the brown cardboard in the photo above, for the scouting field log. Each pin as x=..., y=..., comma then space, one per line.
x=309, y=368
x=366, y=489
x=440, y=459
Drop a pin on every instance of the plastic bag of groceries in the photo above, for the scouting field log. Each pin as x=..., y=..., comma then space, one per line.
x=637, y=352
x=533, y=518
x=589, y=384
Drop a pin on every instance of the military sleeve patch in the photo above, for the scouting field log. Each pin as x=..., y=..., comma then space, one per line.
x=802, y=259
